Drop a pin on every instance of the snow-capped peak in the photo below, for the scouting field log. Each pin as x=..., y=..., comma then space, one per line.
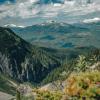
x=13, y=25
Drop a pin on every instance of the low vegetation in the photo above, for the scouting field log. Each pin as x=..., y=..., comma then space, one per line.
x=47, y=95
x=83, y=85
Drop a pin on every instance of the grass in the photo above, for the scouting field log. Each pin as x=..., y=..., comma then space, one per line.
x=6, y=86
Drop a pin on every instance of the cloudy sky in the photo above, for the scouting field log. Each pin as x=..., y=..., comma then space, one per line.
x=28, y=12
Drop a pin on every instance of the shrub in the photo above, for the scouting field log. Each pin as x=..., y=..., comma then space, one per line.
x=48, y=95
x=84, y=85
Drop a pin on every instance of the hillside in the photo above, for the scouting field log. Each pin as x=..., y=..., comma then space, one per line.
x=25, y=62
x=78, y=86
x=22, y=61
x=6, y=84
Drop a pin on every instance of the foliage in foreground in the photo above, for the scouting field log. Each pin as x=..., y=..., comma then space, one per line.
x=48, y=95
x=84, y=85
x=79, y=86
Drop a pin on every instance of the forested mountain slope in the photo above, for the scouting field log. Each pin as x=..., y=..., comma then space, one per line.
x=23, y=61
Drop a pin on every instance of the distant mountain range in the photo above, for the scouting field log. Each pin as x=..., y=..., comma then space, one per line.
x=62, y=35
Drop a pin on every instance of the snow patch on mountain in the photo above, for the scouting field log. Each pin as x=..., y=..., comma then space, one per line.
x=13, y=25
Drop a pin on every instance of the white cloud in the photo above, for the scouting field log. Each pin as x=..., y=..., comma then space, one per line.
x=22, y=10
x=57, y=5
x=50, y=14
x=91, y=20
x=29, y=9
x=32, y=1
x=71, y=3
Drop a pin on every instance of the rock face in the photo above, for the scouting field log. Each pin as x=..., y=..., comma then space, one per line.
x=22, y=61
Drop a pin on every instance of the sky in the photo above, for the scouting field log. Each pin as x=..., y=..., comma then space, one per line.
x=29, y=12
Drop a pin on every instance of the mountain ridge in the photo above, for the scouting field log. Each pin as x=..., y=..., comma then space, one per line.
x=20, y=60
x=61, y=35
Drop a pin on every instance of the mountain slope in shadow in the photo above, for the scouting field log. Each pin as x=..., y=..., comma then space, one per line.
x=22, y=61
